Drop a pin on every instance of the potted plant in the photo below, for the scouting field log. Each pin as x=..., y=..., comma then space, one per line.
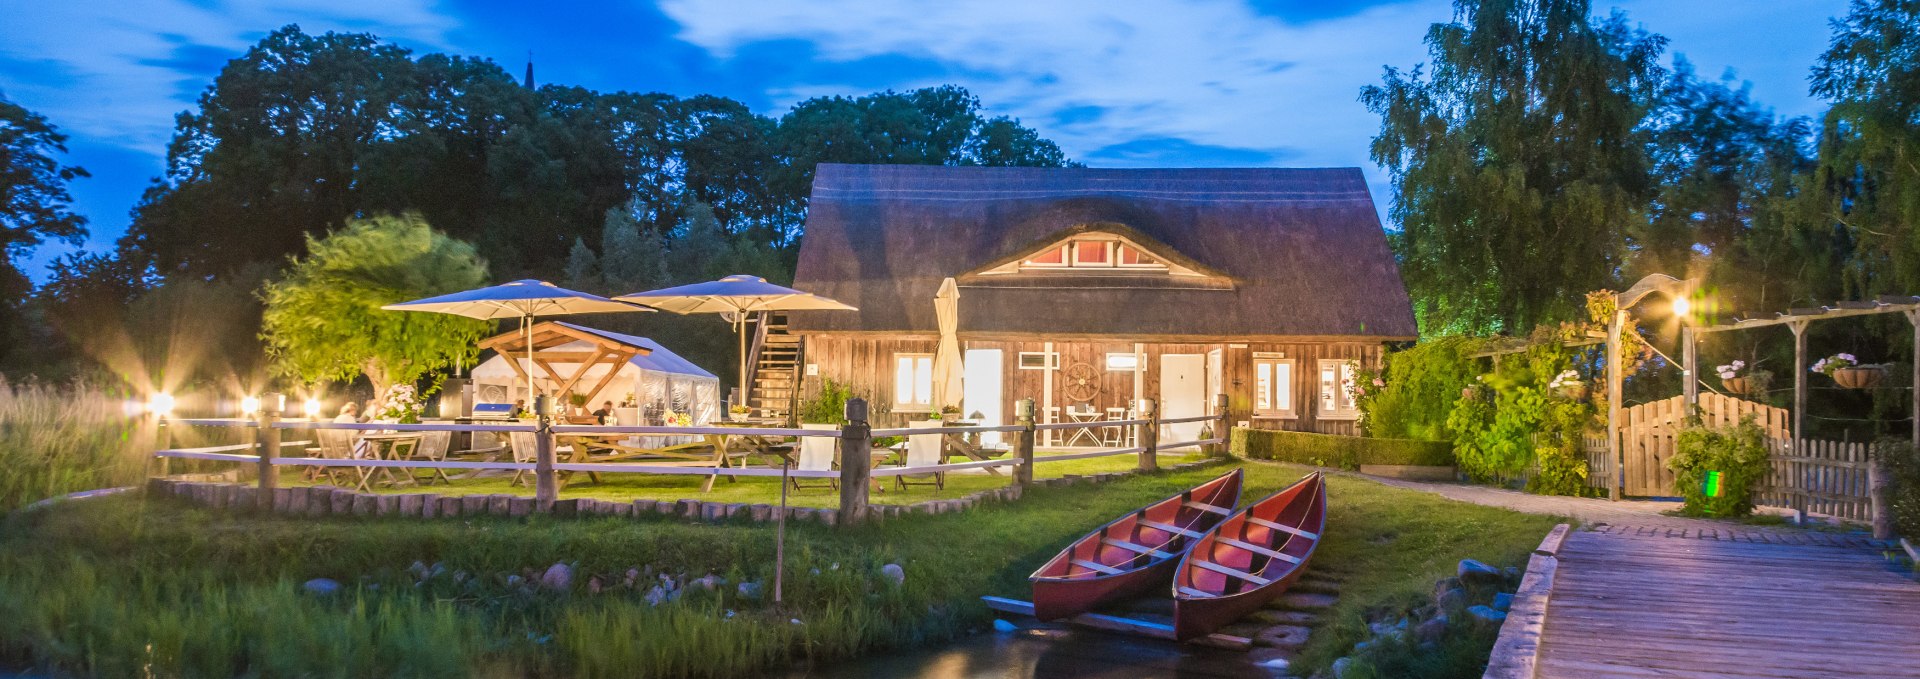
x=1569, y=385
x=738, y=413
x=579, y=402
x=401, y=405
x=1849, y=373
x=1738, y=378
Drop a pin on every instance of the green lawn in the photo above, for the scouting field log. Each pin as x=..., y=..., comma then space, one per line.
x=755, y=489
x=127, y=585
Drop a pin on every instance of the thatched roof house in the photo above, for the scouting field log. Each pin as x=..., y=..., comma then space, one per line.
x=1091, y=288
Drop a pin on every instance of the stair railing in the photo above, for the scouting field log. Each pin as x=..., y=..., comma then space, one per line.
x=753, y=357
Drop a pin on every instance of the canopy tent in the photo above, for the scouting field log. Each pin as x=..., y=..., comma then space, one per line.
x=733, y=297
x=604, y=366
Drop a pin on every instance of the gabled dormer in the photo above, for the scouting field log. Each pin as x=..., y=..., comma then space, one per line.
x=1097, y=255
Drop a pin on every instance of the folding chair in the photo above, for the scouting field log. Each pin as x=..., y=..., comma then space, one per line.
x=332, y=444
x=924, y=450
x=432, y=448
x=817, y=453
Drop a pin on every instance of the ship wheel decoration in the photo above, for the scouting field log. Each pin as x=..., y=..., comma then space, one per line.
x=1082, y=382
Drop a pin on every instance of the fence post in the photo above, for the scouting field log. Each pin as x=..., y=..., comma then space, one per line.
x=1149, y=435
x=545, y=489
x=1023, y=442
x=1877, y=496
x=1223, y=430
x=269, y=439
x=856, y=460
x=162, y=440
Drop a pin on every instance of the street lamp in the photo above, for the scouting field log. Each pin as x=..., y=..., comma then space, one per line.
x=160, y=404
x=311, y=408
x=249, y=405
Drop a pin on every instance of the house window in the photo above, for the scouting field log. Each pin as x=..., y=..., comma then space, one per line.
x=1336, y=389
x=1118, y=362
x=1272, y=385
x=1038, y=360
x=913, y=382
x=1093, y=253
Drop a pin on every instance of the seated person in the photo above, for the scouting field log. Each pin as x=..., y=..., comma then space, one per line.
x=349, y=413
x=604, y=415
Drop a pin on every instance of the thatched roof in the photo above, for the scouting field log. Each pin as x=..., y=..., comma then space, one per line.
x=1275, y=252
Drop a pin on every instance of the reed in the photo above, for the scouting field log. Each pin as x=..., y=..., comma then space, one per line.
x=58, y=440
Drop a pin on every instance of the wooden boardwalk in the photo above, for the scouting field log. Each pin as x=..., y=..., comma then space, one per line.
x=1639, y=605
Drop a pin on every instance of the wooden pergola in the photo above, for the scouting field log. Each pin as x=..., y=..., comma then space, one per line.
x=546, y=337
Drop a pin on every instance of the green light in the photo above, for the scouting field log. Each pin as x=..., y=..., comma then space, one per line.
x=1712, y=485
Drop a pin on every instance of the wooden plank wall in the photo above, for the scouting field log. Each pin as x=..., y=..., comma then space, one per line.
x=865, y=363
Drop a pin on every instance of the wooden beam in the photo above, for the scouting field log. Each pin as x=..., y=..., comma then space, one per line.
x=613, y=370
x=1690, y=367
x=1614, y=377
x=1799, y=329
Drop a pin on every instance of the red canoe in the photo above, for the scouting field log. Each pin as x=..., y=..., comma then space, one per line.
x=1133, y=554
x=1248, y=559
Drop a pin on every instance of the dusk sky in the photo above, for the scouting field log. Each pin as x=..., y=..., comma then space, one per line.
x=1117, y=84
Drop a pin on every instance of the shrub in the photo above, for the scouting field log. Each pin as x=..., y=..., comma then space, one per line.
x=1513, y=422
x=1902, y=466
x=1738, y=453
x=829, y=406
x=1417, y=390
x=1345, y=452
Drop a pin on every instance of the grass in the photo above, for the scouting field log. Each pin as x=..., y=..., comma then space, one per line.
x=129, y=585
x=59, y=440
x=755, y=489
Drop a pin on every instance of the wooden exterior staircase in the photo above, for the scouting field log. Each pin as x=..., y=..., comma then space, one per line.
x=774, y=362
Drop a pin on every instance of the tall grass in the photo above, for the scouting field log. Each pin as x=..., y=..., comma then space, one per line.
x=58, y=440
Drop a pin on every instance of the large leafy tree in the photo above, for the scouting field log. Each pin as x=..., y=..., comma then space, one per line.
x=1869, y=177
x=1518, y=161
x=34, y=204
x=323, y=320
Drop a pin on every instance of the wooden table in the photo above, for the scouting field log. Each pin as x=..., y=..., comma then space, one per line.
x=1091, y=418
x=715, y=450
x=386, y=446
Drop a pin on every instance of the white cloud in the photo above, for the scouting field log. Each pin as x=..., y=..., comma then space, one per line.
x=1208, y=73
x=111, y=78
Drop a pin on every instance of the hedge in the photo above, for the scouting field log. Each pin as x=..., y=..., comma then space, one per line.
x=1345, y=452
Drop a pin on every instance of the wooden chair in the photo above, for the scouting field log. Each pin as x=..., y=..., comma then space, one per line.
x=925, y=450
x=1116, y=435
x=432, y=448
x=332, y=444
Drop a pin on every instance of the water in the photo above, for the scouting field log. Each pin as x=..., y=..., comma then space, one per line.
x=1053, y=654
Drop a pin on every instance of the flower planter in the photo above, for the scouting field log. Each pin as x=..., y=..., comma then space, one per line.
x=1574, y=390
x=1859, y=376
x=1737, y=385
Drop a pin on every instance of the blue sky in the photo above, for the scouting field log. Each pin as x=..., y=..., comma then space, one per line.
x=1117, y=83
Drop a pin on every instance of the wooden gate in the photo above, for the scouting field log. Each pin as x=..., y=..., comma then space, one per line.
x=1649, y=433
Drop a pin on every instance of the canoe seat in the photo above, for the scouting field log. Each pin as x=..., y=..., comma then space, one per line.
x=1170, y=528
x=1100, y=567
x=1216, y=509
x=1233, y=573
x=1189, y=591
x=1257, y=521
x=1257, y=549
x=1136, y=548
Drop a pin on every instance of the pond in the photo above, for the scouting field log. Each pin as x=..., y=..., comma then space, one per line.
x=1050, y=653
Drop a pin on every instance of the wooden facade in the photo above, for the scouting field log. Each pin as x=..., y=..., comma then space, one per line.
x=865, y=364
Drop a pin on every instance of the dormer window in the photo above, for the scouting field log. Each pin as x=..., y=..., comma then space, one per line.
x=1092, y=253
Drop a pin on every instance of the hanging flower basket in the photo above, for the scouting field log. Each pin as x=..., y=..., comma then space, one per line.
x=1568, y=384
x=1860, y=376
x=1738, y=385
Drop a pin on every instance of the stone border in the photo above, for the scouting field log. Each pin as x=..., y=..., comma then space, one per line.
x=334, y=501
x=1516, y=654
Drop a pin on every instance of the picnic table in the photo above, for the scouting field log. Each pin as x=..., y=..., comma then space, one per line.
x=714, y=450
x=386, y=446
x=966, y=445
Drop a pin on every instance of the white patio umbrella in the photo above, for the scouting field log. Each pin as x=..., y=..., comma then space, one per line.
x=522, y=299
x=947, y=388
x=734, y=297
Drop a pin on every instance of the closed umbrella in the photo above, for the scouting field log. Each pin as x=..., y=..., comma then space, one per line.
x=523, y=299
x=947, y=388
x=733, y=297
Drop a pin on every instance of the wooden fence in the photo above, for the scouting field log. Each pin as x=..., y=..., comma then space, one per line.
x=1820, y=477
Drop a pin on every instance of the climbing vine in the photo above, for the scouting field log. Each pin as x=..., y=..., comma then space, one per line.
x=1520, y=421
x=1412, y=397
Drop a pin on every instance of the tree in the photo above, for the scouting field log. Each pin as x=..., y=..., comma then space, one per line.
x=583, y=267
x=1518, y=163
x=34, y=205
x=634, y=259
x=323, y=319
x=1868, y=182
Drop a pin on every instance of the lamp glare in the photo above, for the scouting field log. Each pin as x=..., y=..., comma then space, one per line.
x=250, y=405
x=160, y=403
x=1682, y=306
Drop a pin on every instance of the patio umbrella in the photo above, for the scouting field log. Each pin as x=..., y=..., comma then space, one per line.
x=734, y=297
x=523, y=299
x=946, y=359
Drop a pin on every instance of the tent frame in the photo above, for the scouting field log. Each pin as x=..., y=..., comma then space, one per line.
x=537, y=344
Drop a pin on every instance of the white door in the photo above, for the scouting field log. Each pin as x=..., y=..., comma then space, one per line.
x=1216, y=381
x=981, y=392
x=1183, y=393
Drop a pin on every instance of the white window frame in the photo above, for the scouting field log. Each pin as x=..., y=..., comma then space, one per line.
x=1156, y=264
x=1277, y=386
x=1051, y=360
x=906, y=400
x=1130, y=362
x=1071, y=258
x=1337, y=405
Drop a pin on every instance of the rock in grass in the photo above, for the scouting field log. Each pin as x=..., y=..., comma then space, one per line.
x=894, y=573
x=321, y=587
x=1502, y=602
x=1431, y=630
x=558, y=577
x=1451, y=600
x=1003, y=626
x=749, y=590
x=1341, y=666
x=1476, y=573
x=1484, y=615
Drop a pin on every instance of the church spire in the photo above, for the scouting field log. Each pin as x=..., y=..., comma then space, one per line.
x=529, y=82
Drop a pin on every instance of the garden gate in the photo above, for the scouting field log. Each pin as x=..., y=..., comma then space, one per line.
x=1649, y=433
